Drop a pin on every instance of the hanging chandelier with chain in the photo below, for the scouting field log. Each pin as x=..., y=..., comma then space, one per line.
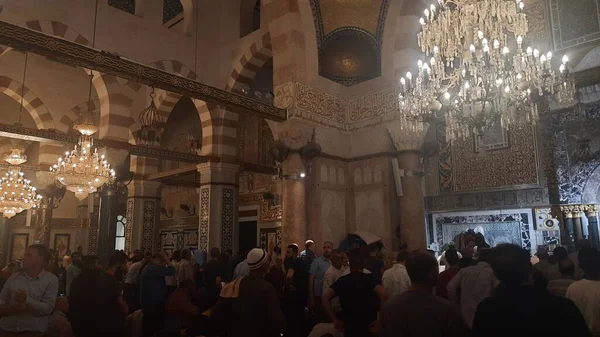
x=83, y=170
x=476, y=72
x=16, y=193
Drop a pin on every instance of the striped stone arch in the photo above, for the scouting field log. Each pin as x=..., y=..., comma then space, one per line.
x=31, y=102
x=252, y=60
x=54, y=28
x=70, y=117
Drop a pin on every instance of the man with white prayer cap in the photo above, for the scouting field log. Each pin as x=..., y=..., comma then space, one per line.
x=249, y=306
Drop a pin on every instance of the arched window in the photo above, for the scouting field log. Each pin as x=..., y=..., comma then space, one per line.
x=172, y=11
x=249, y=17
x=124, y=5
x=120, y=237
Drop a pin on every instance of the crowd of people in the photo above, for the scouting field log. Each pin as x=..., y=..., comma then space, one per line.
x=313, y=292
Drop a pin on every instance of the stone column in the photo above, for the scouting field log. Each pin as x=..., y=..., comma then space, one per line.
x=592, y=215
x=107, y=222
x=4, y=242
x=569, y=236
x=143, y=216
x=44, y=222
x=408, y=143
x=94, y=215
x=577, y=224
x=411, y=203
x=294, y=223
x=219, y=183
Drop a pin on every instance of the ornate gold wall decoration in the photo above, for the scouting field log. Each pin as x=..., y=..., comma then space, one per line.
x=374, y=104
x=268, y=212
x=462, y=169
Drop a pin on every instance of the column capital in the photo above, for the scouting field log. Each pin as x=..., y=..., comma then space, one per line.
x=294, y=133
x=404, y=138
x=568, y=210
x=591, y=210
x=143, y=188
x=218, y=173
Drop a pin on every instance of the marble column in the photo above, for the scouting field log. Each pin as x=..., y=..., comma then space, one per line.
x=107, y=222
x=577, y=224
x=294, y=220
x=592, y=215
x=411, y=203
x=219, y=183
x=569, y=236
x=92, y=248
x=43, y=224
x=408, y=142
x=4, y=242
x=142, y=230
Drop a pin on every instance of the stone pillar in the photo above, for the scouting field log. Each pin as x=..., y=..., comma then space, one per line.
x=577, y=224
x=4, y=242
x=107, y=222
x=294, y=220
x=219, y=183
x=569, y=237
x=143, y=216
x=411, y=203
x=43, y=224
x=94, y=215
x=294, y=223
x=592, y=215
x=407, y=142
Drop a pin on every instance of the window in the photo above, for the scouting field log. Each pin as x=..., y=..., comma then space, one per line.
x=124, y=5
x=120, y=237
x=171, y=10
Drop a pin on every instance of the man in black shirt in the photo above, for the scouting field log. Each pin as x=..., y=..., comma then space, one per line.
x=213, y=274
x=96, y=305
x=296, y=291
x=360, y=297
x=517, y=302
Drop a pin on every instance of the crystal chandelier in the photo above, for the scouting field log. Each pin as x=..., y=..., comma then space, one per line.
x=477, y=72
x=16, y=192
x=83, y=170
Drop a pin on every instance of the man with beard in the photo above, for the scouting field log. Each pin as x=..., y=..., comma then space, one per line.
x=296, y=291
x=97, y=307
x=315, y=281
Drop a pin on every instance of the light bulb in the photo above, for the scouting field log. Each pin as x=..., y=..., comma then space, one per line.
x=432, y=61
x=507, y=89
x=521, y=5
x=484, y=42
x=543, y=58
x=565, y=59
x=496, y=44
x=486, y=48
x=505, y=50
x=467, y=85
x=422, y=21
x=408, y=75
x=536, y=53
x=561, y=68
x=436, y=49
x=420, y=64
x=402, y=81
x=426, y=12
x=480, y=35
x=549, y=56
x=519, y=39
x=529, y=51
x=472, y=48
x=432, y=8
x=447, y=95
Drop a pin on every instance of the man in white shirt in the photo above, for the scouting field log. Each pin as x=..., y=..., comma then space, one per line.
x=586, y=293
x=333, y=273
x=472, y=285
x=396, y=280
